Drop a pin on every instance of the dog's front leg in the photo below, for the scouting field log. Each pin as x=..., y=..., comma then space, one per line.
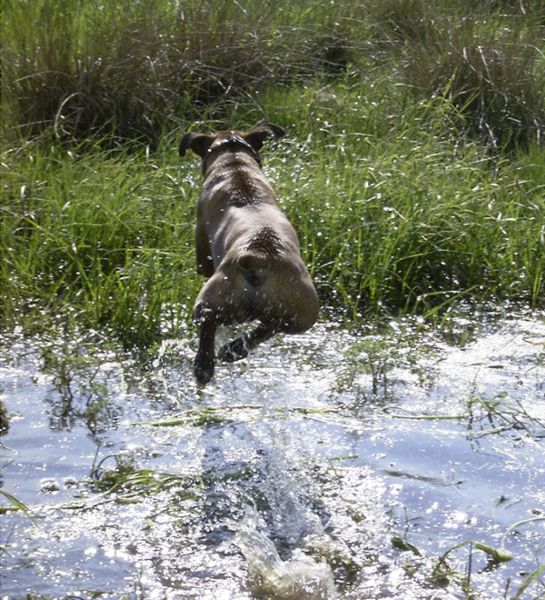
x=205, y=264
x=204, y=360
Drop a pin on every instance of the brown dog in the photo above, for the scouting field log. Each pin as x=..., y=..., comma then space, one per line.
x=246, y=247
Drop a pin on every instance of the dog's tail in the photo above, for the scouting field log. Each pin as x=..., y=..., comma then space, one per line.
x=253, y=266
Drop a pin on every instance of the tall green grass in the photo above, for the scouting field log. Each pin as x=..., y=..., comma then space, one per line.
x=393, y=216
x=492, y=72
x=394, y=170
x=105, y=238
x=397, y=214
x=135, y=68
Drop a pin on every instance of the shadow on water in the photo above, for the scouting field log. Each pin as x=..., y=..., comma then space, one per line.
x=401, y=463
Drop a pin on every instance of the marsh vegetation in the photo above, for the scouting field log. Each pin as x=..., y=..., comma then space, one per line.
x=413, y=182
x=396, y=449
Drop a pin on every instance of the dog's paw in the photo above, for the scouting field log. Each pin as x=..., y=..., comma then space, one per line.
x=203, y=369
x=233, y=351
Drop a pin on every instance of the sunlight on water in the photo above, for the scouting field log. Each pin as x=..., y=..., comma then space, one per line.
x=331, y=465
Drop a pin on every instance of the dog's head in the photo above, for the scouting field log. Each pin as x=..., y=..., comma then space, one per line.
x=205, y=144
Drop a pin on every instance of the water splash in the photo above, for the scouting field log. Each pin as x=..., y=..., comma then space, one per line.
x=297, y=578
x=289, y=476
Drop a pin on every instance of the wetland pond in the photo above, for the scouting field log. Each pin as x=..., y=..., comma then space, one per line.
x=396, y=462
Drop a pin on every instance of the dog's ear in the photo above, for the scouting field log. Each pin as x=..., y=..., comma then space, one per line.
x=198, y=142
x=257, y=136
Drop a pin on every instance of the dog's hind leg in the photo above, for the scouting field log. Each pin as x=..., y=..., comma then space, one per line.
x=239, y=347
x=204, y=360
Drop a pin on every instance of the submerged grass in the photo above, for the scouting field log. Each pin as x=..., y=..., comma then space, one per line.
x=399, y=204
x=15, y=503
x=129, y=483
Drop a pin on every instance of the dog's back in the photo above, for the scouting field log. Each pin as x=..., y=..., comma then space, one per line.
x=247, y=248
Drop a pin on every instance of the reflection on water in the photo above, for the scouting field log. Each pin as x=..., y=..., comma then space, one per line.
x=329, y=465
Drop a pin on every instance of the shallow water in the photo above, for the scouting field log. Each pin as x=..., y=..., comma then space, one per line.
x=329, y=465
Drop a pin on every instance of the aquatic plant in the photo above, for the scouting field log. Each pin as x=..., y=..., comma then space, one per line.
x=274, y=479
x=4, y=418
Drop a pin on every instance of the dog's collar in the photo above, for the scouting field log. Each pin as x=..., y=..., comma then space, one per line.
x=234, y=140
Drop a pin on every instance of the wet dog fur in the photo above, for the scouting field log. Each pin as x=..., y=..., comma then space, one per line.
x=246, y=247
